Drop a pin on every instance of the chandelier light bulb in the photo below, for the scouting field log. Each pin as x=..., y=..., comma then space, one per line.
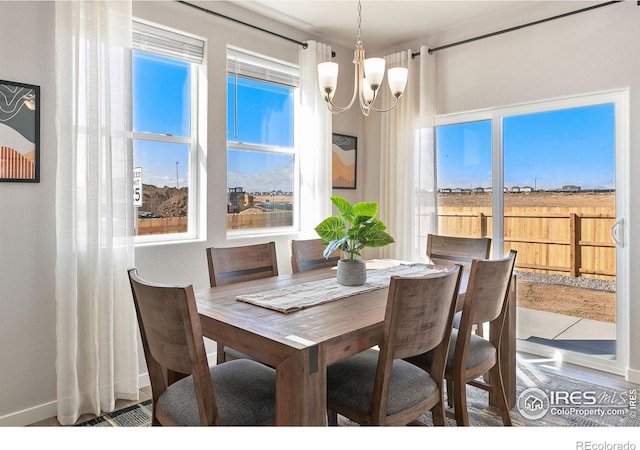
x=367, y=92
x=397, y=78
x=374, y=71
x=328, y=78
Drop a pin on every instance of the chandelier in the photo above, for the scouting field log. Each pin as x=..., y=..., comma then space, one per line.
x=368, y=77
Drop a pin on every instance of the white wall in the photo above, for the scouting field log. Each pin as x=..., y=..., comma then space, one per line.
x=27, y=231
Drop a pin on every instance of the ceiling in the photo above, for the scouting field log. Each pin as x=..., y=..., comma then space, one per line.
x=388, y=23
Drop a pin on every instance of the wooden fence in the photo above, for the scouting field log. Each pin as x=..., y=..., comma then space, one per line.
x=570, y=241
x=234, y=222
x=162, y=225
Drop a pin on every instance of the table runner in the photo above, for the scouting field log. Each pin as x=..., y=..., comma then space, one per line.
x=312, y=293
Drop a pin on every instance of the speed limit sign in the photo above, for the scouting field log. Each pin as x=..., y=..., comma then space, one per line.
x=137, y=186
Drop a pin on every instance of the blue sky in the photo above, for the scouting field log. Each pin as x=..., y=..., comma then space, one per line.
x=544, y=150
x=161, y=105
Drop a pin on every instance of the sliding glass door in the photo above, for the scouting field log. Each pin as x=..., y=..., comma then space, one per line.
x=548, y=180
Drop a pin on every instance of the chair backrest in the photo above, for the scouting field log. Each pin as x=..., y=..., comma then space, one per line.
x=418, y=310
x=230, y=265
x=307, y=255
x=172, y=340
x=418, y=318
x=487, y=292
x=448, y=250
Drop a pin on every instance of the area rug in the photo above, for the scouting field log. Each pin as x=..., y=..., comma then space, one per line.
x=138, y=415
x=561, y=401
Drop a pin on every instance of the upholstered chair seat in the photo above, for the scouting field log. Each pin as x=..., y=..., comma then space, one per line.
x=245, y=395
x=352, y=380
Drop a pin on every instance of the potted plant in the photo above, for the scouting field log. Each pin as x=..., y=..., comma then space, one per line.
x=356, y=228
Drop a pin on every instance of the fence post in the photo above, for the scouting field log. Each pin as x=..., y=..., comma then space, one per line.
x=574, y=247
x=483, y=224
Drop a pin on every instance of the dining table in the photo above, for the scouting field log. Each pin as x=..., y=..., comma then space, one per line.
x=301, y=337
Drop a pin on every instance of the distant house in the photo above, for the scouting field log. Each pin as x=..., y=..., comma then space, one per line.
x=514, y=189
x=456, y=190
x=526, y=189
x=478, y=190
x=570, y=188
x=445, y=190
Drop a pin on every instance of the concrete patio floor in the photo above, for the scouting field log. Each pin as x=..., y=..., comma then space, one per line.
x=566, y=332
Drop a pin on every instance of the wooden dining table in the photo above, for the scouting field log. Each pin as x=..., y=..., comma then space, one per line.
x=301, y=344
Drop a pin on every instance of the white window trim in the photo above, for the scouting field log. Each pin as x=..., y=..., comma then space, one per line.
x=196, y=223
x=288, y=71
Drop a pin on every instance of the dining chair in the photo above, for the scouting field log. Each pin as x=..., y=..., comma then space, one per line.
x=470, y=356
x=307, y=254
x=380, y=388
x=228, y=265
x=185, y=389
x=448, y=250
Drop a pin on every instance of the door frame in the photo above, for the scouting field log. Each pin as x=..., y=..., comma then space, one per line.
x=620, y=99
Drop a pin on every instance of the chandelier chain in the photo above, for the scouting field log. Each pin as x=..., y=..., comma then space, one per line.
x=359, y=42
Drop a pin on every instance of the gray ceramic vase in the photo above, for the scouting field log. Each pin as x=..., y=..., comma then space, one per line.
x=352, y=273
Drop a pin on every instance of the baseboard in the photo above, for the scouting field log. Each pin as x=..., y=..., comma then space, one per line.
x=632, y=376
x=47, y=410
x=30, y=415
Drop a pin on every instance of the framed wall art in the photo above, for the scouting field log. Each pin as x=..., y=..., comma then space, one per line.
x=344, y=161
x=19, y=132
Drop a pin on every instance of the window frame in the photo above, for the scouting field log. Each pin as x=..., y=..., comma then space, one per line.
x=293, y=150
x=196, y=210
x=620, y=99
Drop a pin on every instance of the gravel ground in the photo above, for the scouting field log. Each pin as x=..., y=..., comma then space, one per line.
x=580, y=282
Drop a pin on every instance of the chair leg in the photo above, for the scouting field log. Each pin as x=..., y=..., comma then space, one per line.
x=498, y=388
x=438, y=415
x=460, y=403
x=332, y=418
x=450, y=393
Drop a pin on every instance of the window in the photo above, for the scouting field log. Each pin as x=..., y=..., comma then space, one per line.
x=261, y=156
x=463, y=172
x=165, y=132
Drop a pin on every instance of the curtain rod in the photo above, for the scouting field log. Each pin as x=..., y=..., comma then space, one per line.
x=507, y=30
x=208, y=11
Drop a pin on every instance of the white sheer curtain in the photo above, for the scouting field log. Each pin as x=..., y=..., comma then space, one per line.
x=426, y=212
x=407, y=165
x=314, y=141
x=97, y=359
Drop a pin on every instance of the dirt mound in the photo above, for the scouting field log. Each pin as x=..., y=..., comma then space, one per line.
x=165, y=201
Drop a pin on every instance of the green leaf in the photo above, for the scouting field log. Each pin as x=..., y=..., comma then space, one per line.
x=344, y=207
x=331, y=228
x=368, y=209
x=380, y=240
